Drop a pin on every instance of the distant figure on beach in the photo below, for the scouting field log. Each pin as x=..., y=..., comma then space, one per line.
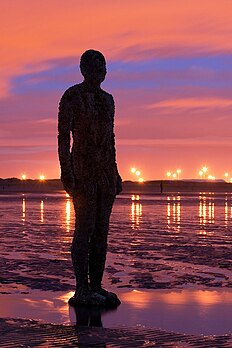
x=89, y=174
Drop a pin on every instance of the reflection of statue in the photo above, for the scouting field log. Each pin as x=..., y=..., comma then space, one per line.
x=90, y=316
x=88, y=326
x=89, y=174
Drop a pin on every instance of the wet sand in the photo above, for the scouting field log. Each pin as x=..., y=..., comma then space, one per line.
x=169, y=260
x=31, y=333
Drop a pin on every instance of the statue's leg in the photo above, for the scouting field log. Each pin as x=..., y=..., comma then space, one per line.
x=98, y=248
x=98, y=240
x=85, y=213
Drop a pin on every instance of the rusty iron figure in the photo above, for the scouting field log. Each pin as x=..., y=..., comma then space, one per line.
x=89, y=174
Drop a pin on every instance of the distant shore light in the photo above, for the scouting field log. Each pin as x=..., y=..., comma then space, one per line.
x=200, y=173
x=168, y=174
x=204, y=169
x=137, y=172
x=133, y=170
x=211, y=177
x=174, y=175
x=141, y=180
x=178, y=173
x=24, y=177
x=42, y=177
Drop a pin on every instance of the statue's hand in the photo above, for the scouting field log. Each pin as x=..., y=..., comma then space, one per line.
x=68, y=183
x=119, y=185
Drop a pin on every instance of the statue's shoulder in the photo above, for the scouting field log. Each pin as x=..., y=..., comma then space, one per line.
x=108, y=96
x=71, y=92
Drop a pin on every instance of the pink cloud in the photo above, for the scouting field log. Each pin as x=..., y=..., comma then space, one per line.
x=193, y=103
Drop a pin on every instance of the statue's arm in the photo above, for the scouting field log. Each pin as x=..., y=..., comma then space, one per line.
x=65, y=119
x=119, y=179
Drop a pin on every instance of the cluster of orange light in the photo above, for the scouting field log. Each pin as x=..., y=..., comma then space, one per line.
x=137, y=173
x=227, y=177
x=175, y=175
x=41, y=177
x=203, y=174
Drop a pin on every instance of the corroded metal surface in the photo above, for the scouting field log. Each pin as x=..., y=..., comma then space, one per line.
x=87, y=112
x=89, y=171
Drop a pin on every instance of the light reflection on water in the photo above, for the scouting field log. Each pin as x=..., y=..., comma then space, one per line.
x=136, y=211
x=226, y=211
x=206, y=213
x=41, y=211
x=173, y=212
x=68, y=214
x=210, y=211
x=23, y=209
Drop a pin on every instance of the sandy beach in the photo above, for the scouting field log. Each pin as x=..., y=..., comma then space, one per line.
x=124, y=96
x=169, y=260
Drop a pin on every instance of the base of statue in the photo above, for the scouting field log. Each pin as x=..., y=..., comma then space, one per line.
x=95, y=298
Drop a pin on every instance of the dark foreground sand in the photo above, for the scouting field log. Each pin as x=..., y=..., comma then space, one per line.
x=30, y=333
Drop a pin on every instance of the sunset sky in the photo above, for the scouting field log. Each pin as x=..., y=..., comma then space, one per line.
x=169, y=68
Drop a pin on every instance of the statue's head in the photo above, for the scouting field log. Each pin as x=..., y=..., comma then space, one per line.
x=93, y=66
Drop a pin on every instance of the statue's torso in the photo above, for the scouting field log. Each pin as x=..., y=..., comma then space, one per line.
x=92, y=128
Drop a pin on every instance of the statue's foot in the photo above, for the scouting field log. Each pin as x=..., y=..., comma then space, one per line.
x=88, y=299
x=111, y=298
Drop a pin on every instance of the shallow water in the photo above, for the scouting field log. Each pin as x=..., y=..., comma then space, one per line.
x=169, y=258
x=185, y=311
